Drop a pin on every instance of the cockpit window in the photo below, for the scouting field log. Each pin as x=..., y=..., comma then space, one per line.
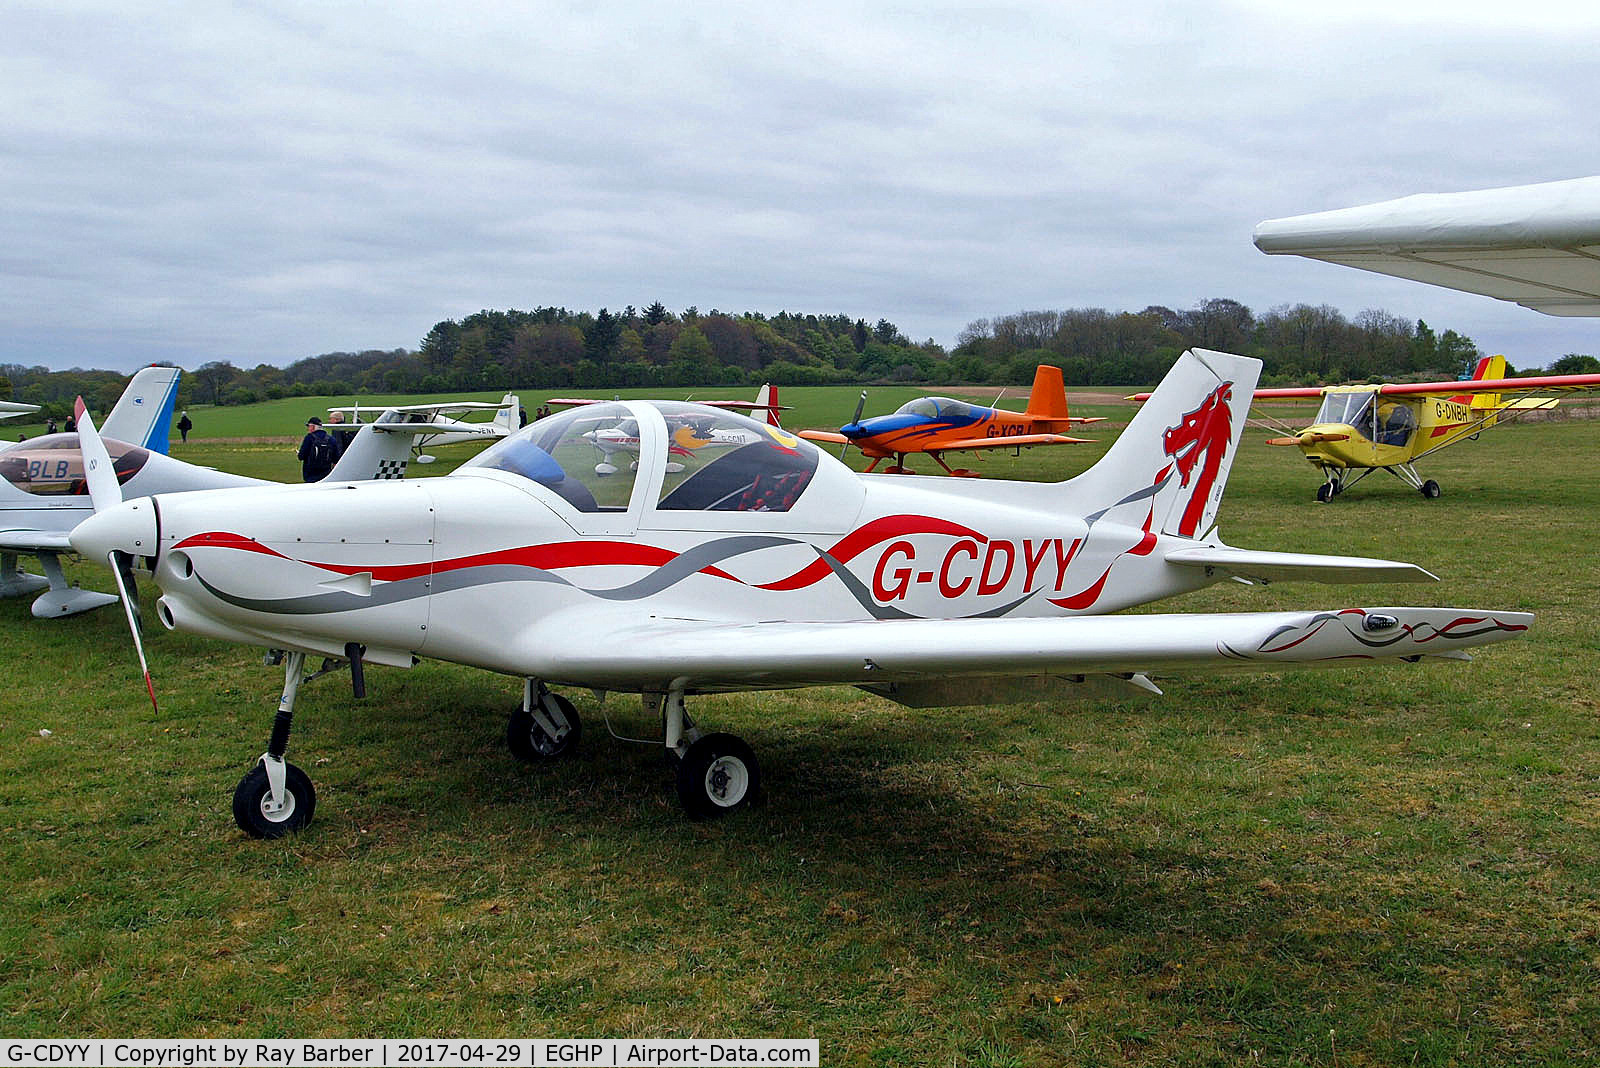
x=936, y=408
x=1349, y=409
x=721, y=462
x=1395, y=424
x=589, y=455
x=53, y=465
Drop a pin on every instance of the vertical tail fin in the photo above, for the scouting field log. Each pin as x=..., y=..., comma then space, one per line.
x=508, y=417
x=1168, y=468
x=143, y=414
x=1486, y=404
x=1048, y=400
x=1489, y=367
x=375, y=452
x=768, y=397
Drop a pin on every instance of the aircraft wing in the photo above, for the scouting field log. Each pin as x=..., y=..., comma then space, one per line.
x=1503, y=386
x=1008, y=441
x=31, y=541
x=1534, y=245
x=617, y=650
x=426, y=409
x=11, y=409
x=1451, y=388
x=824, y=435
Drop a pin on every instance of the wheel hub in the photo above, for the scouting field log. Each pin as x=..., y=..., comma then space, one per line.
x=727, y=779
x=275, y=813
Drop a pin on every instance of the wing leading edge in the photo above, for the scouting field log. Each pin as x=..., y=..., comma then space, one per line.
x=603, y=651
x=1534, y=245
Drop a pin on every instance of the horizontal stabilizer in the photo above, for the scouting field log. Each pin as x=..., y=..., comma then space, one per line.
x=1263, y=566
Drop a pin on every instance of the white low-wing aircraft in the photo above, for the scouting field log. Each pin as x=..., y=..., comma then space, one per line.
x=450, y=431
x=44, y=495
x=767, y=566
x=42, y=491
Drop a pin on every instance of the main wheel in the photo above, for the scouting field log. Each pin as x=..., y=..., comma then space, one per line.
x=1325, y=492
x=1430, y=489
x=252, y=803
x=718, y=774
x=529, y=742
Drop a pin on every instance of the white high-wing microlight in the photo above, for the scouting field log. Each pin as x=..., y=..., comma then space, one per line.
x=446, y=430
x=766, y=566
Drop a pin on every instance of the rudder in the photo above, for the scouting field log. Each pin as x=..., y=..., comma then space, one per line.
x=1048, y=398
x=1169, y=467
x=142, y=416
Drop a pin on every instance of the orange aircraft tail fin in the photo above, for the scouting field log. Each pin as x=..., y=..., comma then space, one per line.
x=1048, y=400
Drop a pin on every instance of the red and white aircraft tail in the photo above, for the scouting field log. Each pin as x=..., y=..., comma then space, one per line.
x=767, y=398
x=1175, y=456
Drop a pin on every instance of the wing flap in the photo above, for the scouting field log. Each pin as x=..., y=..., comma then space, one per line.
x=612, y=651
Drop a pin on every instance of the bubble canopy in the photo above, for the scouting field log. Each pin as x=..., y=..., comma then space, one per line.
x=716, y=460
x=52, y=465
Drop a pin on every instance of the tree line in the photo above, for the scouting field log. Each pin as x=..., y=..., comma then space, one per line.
x=554, y=348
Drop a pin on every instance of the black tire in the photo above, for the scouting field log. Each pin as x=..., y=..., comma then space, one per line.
x=529, y=743
x=718, y=775
x=253, y=792
x=1430, y=489
x=1325, y=492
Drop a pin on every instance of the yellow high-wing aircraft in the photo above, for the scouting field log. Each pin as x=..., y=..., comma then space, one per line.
x=1388, y=427
x=1534, y=245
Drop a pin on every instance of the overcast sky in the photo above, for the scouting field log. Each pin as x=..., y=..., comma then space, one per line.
x=260, y=182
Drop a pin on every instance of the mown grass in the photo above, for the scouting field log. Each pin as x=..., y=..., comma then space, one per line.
x=1379, y=866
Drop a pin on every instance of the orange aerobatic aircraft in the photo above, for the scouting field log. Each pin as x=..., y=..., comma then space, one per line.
x=936, y=425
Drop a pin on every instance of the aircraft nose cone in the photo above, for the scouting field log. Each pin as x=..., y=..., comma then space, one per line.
x=129, y=527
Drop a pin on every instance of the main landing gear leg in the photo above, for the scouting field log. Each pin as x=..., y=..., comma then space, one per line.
x=717, y=773
x=276, y=797
x=544, y=727
x=1408, y=474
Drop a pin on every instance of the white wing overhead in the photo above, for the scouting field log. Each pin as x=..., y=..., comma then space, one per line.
x=608, y=651
x=1534, y=245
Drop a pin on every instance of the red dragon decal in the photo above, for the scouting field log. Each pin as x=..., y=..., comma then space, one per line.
x=1204, y=432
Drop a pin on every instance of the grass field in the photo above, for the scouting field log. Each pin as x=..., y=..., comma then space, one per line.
x=1383, y=866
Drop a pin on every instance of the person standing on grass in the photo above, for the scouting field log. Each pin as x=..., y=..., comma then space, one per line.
x=319, y=451
x=185, y=424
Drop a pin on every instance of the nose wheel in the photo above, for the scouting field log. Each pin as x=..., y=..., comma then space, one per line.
x=260, y=814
